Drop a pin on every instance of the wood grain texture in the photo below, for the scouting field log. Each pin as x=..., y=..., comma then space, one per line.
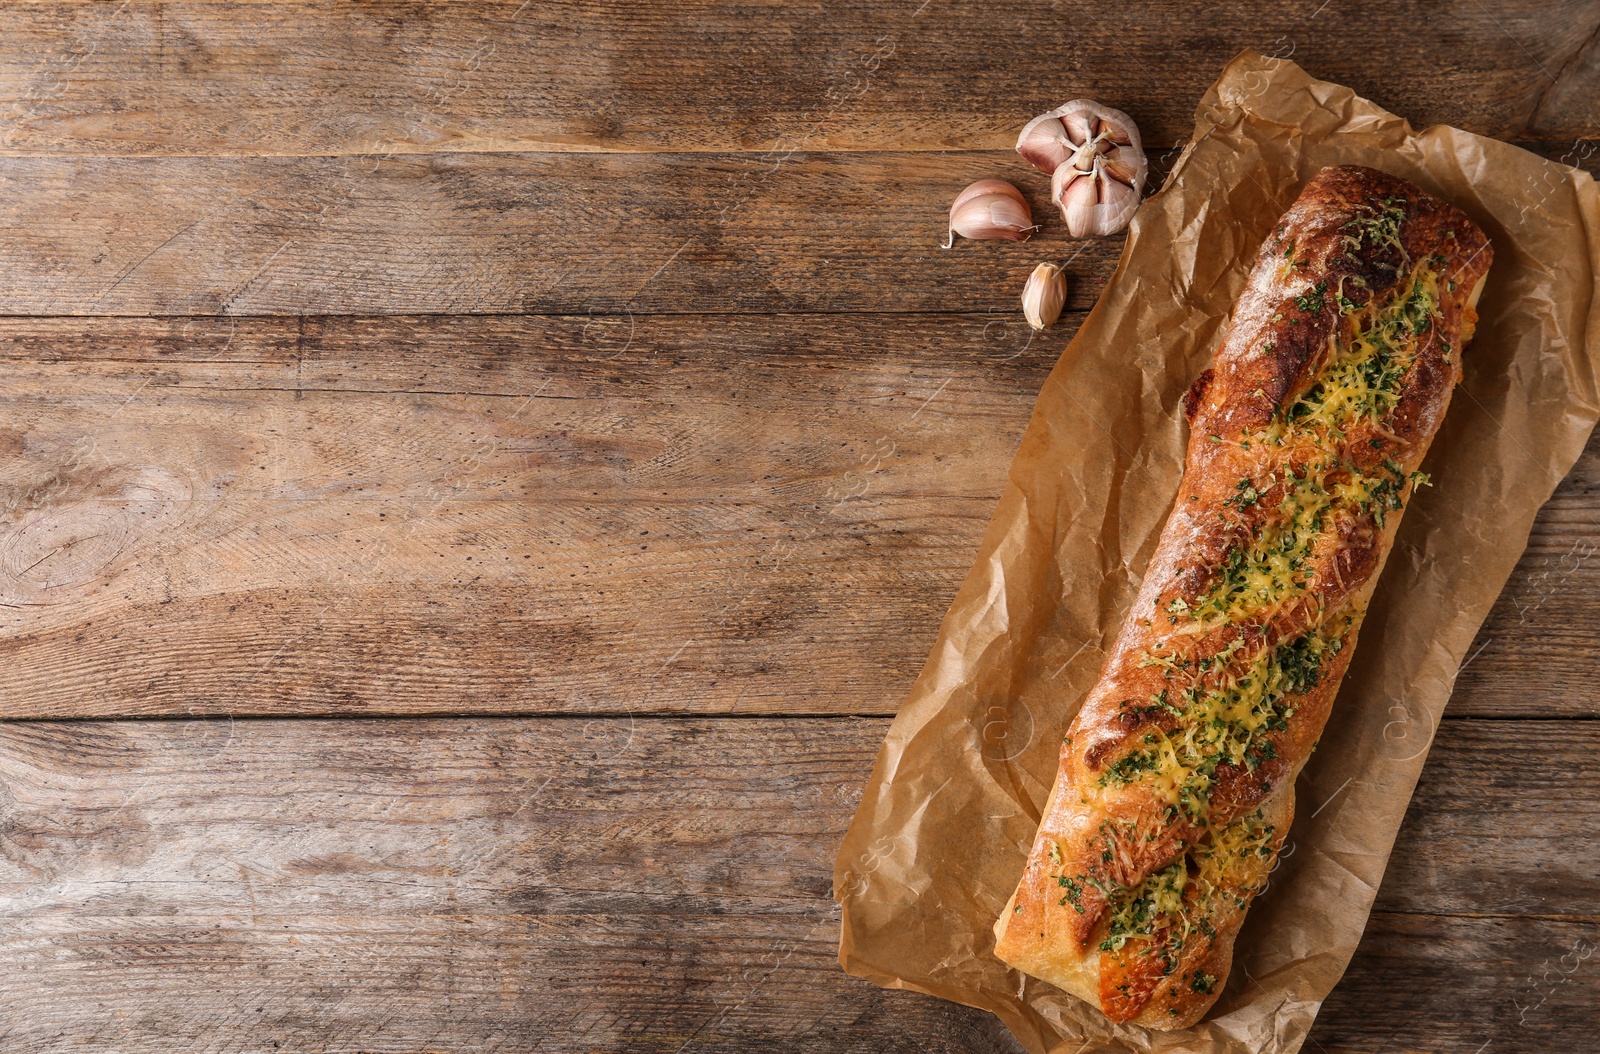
x=493, y=514
x=584, y=234
x=1423, y=983
x=1536, y=653
x=514, y=515
x=392, y=77
x=645, y=885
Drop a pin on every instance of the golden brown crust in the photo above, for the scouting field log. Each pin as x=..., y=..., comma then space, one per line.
x=1176, y=783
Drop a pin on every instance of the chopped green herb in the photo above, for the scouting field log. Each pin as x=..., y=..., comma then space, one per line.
x=1311, y=303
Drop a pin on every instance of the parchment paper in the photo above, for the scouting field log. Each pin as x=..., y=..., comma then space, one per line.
x=944, y=827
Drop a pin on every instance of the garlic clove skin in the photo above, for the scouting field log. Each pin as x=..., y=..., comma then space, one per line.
x=1045, y=144
x=985, y=187
x=1078, y=129
x=1044, y=296
x=1121, y=132
x=1078, y=117
x=1078, y=195
x=1120, y=168
x=990, y=209
x=1119, y=199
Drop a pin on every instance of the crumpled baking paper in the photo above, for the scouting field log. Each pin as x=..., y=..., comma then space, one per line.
x=945, y=824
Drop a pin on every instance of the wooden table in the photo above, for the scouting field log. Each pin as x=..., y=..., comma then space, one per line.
x=521, y=454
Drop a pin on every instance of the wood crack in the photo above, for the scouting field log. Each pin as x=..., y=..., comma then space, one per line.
x=1556, y=81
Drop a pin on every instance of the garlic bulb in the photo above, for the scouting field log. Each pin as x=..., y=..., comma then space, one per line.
x=989, y=209
x=1044, y=296
x=1096, y=161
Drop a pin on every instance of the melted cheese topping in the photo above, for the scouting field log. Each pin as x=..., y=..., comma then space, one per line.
x=1222, y=723
x=1361, y=382
x=1229, y=710
x=1193, y=893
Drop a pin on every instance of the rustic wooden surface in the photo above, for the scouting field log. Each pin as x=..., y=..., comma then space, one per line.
x=389, y=367
x=645, y=884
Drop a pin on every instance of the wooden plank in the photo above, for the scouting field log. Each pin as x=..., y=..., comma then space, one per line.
x=581, y=234
x=637, y=884
x=444, y=885
x=516, y=515
x=390, y=77
x=1536, y=653
x=1428, y=982
x=596, y=234
x=493, y=514
x=1488, y=921
x=1501, y=824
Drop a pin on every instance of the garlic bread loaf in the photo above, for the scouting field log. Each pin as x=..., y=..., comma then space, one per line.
x=1176, y=785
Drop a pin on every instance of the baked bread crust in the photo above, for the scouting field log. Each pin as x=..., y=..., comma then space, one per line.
x=1176, y=786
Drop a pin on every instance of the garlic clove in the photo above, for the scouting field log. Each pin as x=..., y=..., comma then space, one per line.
x=1120, y=168
x=984, y=187
x=990, y=209
x=1078, y=121
x=1044, y=143
x=1118, y=202
x=1114, y=131
x=1078, y=196
x=1044, y=296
